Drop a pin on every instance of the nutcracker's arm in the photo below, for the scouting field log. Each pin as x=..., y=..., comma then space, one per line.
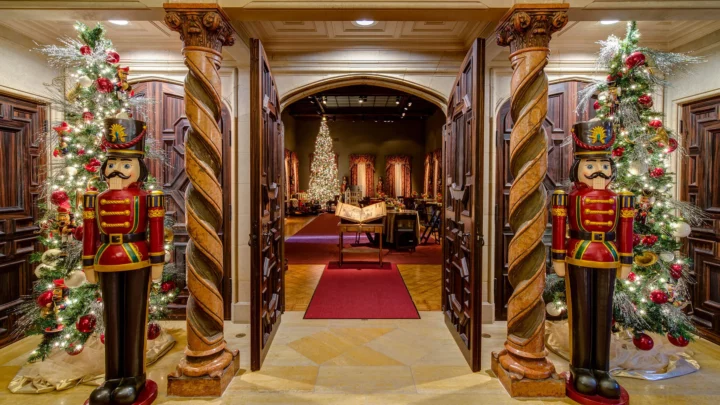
x=156, y=216
x=625, y=232
x=90, y=234
x=559, y=221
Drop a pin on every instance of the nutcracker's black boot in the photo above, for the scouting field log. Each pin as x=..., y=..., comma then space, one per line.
x=604, y=288
x=584, y=381
x=128, y=391
x=607, y=386
x=102, y=395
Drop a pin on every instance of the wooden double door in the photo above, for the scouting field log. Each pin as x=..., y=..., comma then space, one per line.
x=462, y=217
x=561, y=116
x=700, y=185
x=22, y=162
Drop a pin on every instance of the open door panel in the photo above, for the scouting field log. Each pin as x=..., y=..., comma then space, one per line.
x=462, y=201
x=266, y=214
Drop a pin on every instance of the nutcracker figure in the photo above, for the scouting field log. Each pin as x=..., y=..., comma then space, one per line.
x=591, y=253
x=122, y=242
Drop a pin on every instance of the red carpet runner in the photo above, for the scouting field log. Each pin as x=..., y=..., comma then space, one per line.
x=316, y=243
x=361, y=291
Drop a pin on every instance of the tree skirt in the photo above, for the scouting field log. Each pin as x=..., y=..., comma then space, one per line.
x=662, y=362
x=61, y=371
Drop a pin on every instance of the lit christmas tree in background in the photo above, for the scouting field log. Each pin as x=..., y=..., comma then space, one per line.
x=653, y=297
x=67, y=310
x=323, y=171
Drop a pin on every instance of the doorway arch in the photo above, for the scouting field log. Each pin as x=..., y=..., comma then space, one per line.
x=414, y=89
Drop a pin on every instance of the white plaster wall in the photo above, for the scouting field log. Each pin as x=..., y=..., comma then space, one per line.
x=23, y=71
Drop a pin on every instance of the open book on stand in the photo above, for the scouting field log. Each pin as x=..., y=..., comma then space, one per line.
x=355, y=214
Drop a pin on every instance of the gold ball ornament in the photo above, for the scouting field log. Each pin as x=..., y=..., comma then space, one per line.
x=169, y=236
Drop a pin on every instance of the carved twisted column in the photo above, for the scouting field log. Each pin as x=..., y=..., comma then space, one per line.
x=204, y=30
x=522, y=366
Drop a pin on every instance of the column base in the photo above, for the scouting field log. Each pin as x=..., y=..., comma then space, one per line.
x=205, y=386
x=552, y=387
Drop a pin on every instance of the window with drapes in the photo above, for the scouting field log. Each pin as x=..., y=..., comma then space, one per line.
x=397, y=175
x=292, y=168
x=362, y=173
x=437, y=173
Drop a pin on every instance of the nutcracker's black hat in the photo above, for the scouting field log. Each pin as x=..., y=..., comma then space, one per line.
x=593, y=139
x=124, y=137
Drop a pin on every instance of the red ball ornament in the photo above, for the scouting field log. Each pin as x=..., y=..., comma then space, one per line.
x=74, y=349
x=643, y=342
x=610, y=78
x=78, y=233
x=153, y=331
x=85, y=50
x=636, y=239
x=112, y=57
x=632, y=277
x=676, y=274
x=45, y=299
x=676, y=267
x=596, y=105
x=657, y=172
x=672, y=145
x=88, y=116
x=645, y=100
x=81, y=152
x=86, y=323
x=618, y=152
x=658, y=297
x=635, y=59
x=102, y=338
x=655, y=124
x=104, y=85
x=167, y=286
x=56, y=152
x=678, y=341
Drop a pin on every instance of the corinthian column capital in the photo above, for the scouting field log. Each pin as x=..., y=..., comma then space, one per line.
x=531, y=25
x=205, y=26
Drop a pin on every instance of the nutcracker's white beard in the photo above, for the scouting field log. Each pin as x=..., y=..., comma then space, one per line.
x=115, y=183
x=598, y=183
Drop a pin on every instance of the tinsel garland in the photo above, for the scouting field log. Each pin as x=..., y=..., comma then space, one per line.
x=653, y=298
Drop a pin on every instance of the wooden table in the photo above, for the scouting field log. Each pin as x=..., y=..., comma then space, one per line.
x=372, y=228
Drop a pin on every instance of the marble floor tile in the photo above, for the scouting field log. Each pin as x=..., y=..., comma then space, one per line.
x=365, y=380
x=276, y=379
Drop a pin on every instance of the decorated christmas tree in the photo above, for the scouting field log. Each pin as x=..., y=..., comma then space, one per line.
x=67, y=310
x=323, y=171
x=654, y=296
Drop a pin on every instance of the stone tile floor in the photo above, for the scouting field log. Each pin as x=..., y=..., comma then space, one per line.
x=381, y=362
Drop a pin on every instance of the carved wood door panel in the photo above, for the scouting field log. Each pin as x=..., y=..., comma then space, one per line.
x=561, y=116
x=168, y=126
x=462, y=214
x=21, y=160
x=268, y=265
x=700, y=185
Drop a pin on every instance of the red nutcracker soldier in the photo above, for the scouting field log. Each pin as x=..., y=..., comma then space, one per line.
x=122, y=242
x=596, y=248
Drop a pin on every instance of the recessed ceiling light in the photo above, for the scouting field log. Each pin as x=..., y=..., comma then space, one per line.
x=609, y=22
x=364, y=23
x=119, y=22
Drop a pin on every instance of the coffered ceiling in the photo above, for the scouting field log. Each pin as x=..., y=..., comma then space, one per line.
x=314, y=35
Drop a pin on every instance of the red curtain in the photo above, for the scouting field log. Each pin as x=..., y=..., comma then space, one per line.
x=369, y=162
x=390, y=162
